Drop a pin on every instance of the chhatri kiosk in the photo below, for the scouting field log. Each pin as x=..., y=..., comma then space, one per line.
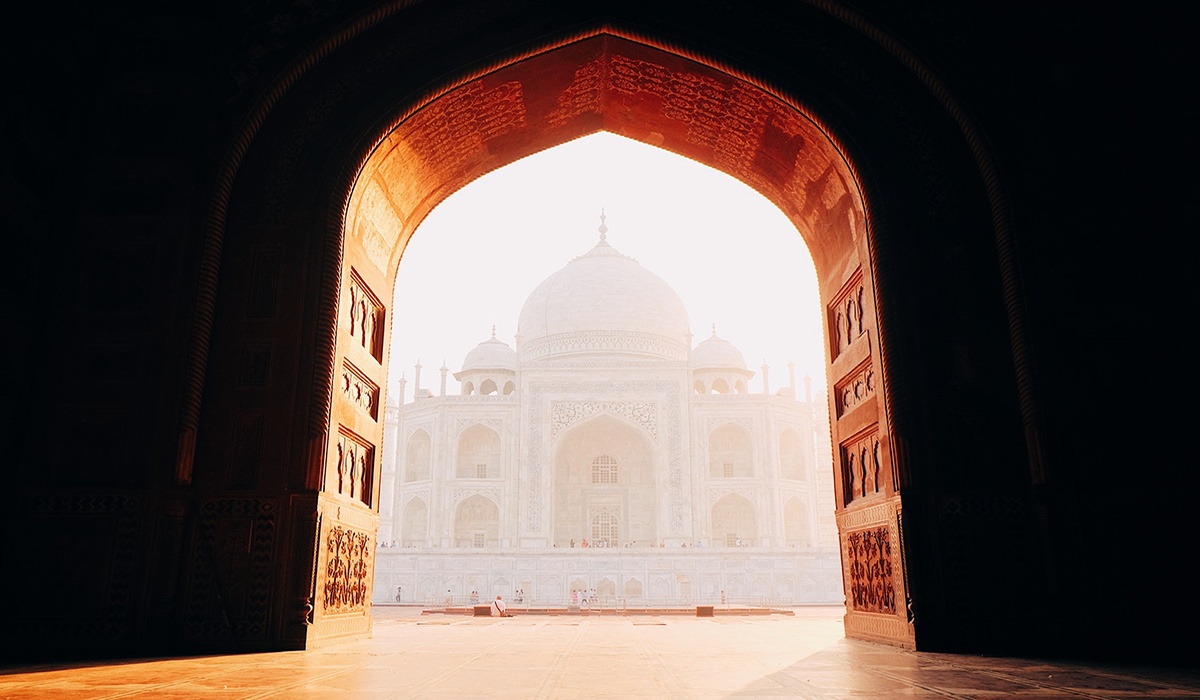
x=605, y=453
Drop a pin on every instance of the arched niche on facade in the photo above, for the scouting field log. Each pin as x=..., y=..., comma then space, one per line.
x=477, y=522
x=734, y=522
x=417, y=456
x=605, y=468
x=730, y=452
x=478, y=453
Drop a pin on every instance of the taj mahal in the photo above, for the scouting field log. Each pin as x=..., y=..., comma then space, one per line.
x=605, y=452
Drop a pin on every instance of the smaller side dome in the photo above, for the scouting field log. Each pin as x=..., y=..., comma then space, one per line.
x=717, y=353
x=491, y=354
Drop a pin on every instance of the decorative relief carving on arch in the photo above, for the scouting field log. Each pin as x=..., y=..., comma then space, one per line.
x=847, y=314
x=425, y=425
x=855, y=388
x=359, y=390
x=584, y=94
x=733, y=121
x=366, y=317
x=565, y=413
x=451, y=130
x=355, y=466
x=727, y=117
x=862, y=467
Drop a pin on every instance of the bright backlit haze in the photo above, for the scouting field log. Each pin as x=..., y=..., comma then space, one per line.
x=732, y=256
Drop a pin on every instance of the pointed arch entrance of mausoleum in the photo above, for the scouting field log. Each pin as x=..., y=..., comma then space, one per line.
x=659, y=96
x=606, y=484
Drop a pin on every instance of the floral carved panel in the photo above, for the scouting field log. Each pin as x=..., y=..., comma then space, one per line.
x=348, y=568
x=869, y=560
x=855, y=389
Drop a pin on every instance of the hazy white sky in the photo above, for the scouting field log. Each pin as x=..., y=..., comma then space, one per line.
x=731, y=255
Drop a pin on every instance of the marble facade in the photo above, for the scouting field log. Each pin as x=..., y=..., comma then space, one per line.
x=604, y=425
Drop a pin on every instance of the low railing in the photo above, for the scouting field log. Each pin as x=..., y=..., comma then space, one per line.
x=611, y=603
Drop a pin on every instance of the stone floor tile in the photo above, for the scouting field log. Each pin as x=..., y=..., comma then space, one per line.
x=553, y=658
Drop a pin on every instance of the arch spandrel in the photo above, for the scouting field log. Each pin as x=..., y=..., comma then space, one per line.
x=607, y=83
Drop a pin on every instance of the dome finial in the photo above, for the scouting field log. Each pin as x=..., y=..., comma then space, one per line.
x=603, y=229
x=714, y=329
x=493, y=330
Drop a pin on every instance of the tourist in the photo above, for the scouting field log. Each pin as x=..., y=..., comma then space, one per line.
x=499, y=609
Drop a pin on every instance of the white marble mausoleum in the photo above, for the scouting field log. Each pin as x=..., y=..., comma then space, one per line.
x=606, y=452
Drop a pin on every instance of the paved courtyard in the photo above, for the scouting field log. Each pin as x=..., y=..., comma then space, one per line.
x=671, y=656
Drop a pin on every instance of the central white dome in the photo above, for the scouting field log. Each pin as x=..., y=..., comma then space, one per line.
x=603, y=302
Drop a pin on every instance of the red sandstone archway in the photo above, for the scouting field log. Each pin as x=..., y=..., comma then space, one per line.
x=652, y=94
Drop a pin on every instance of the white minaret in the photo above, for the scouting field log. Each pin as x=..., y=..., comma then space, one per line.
x=403, y=385
x=417, y=380
x=766, y=383
x=445, y=369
